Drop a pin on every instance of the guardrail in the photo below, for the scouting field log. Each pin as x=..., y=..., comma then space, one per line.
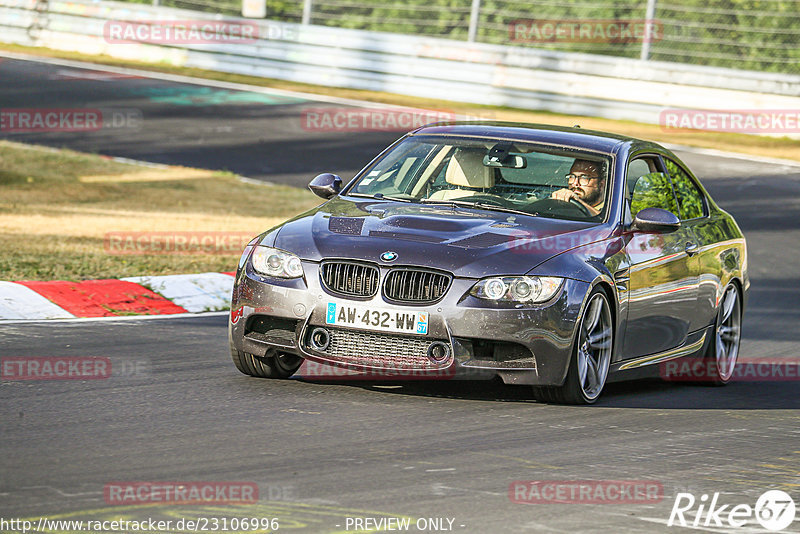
x=581, y=84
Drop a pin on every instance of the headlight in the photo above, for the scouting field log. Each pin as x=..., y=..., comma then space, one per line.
x=246, y=251
x=517, y=288
x=274, y=262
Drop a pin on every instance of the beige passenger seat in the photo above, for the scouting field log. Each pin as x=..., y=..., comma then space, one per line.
x=467, y=175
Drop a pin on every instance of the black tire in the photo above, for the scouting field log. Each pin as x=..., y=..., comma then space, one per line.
x=725, y=337
x=274, y=365
x=574, y=389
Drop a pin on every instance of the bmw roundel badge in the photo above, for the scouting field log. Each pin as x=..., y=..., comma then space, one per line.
x=389, y=256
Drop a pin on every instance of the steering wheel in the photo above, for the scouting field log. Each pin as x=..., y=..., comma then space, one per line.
x=574, y=201
x=555, y=204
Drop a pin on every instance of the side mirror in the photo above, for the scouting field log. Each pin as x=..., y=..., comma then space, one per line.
x=326, y=185
x=656, y=220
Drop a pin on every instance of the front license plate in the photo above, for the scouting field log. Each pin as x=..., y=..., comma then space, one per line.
x=371, y=318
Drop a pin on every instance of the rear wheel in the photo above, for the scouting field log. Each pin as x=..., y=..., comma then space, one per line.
x=591, y=356
x=723, y=350
x=273, y=365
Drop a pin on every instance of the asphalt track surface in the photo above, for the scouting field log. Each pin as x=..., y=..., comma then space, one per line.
x=258, y=135
x=175, y=408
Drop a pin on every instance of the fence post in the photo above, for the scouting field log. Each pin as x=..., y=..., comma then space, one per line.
x=473, y=20
x=306, y=12
x=648, y=20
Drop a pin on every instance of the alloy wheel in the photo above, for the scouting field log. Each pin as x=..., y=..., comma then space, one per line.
x=594, y=347
x=728, y=333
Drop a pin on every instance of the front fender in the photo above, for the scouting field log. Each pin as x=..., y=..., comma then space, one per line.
x=604, y=263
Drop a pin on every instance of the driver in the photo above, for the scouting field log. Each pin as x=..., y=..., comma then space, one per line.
x=585, y=185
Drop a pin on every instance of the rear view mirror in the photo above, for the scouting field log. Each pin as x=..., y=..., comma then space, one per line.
x=325, y=185
x=656, y=220
x=509, y=162
x=499, y=156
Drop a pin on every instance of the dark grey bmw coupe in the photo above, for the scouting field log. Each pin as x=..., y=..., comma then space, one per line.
x=554, y=257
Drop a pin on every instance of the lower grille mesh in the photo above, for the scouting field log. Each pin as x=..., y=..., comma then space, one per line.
x=380, y=350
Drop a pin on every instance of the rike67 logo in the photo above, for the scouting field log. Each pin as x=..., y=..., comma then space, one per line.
x=774, y=510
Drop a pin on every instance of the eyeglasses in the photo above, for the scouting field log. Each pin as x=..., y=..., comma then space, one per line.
x=582, y=179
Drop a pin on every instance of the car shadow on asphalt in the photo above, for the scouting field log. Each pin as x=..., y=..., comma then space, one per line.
x=739, y=395
x=650, y=393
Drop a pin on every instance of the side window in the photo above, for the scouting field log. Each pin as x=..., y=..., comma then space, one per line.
x=636, y=168
x=689, y=196
x=653, y=190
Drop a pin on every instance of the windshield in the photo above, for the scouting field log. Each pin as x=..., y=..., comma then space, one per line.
x=491, y=174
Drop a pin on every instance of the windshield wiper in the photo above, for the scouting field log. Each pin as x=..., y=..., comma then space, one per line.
x=502, y=208
x=399, y=199
x=476, y=205
x=381, y=196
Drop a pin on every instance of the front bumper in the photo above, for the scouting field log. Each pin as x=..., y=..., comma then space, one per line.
x=523, y=345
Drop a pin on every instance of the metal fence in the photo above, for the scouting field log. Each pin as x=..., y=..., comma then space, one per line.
x=761, y=35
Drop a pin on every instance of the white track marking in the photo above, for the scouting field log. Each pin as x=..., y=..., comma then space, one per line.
x=20, y=302
x=193, y=292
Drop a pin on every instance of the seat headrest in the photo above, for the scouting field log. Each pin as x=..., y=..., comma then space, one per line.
x=466, y=169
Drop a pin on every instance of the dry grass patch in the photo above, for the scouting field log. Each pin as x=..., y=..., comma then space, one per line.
x=58, y=208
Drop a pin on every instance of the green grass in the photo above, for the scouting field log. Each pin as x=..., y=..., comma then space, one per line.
x=57, y=208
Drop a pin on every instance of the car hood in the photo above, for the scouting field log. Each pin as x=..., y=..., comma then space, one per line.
x=469, y=243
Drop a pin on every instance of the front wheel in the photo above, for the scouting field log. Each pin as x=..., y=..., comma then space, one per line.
x=591, y=356
x=273, y=365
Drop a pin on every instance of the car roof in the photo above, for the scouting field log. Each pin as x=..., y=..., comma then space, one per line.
x=537, y=133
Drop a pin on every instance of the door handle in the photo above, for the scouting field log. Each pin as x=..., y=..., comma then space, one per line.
x=691, y=248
